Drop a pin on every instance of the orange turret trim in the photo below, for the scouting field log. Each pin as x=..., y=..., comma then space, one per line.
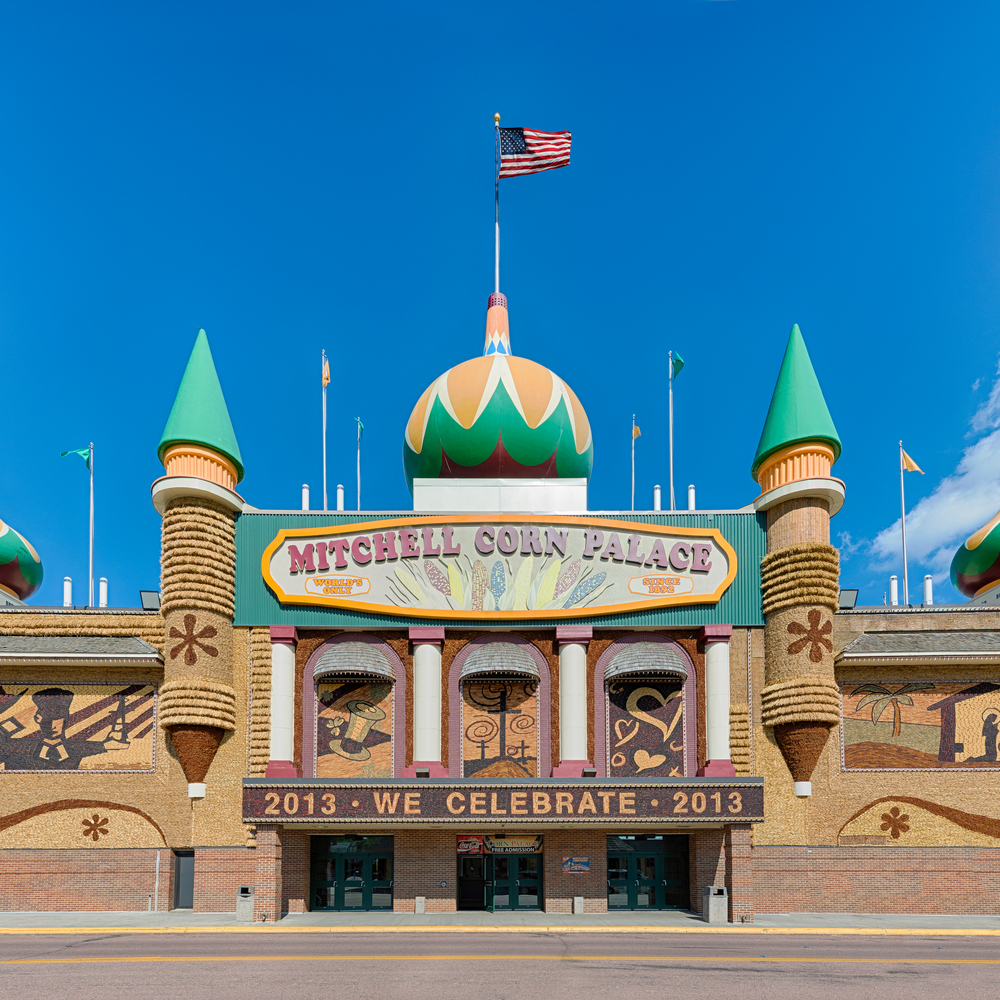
x=197, y=462
x=796, y=462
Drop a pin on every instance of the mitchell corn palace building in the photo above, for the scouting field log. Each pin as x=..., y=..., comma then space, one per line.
x=500, y=700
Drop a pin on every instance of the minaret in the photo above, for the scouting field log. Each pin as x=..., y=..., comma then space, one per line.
x=800, y=572
x=497, y=326
x=199, y=505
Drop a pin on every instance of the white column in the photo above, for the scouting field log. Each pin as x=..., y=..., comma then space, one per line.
x=427, y=646
x=427, y=701
x=573, y=720
x=573, y=700
x=717, y=700
x=282, y=744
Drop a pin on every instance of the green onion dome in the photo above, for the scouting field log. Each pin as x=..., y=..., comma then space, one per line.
x=976, y=566
x=498, y=416
x=20, y=567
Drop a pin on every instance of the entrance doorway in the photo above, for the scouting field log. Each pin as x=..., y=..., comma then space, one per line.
x=500, y=882
x=351, y=873
x=648, y=873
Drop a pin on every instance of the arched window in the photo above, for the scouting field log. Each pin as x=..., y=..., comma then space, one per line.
x=352, y=719
x=646, y=717
x=500, y=710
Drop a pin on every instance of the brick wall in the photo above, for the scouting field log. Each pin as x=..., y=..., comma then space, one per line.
x=423, y=860
x=295, y=867
x=707, y=861
x=559, y=888
x=84, y=880
x=877, y=879
x=218, y=874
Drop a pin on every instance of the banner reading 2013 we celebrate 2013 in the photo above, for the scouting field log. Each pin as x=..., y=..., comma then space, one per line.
x=503, y=567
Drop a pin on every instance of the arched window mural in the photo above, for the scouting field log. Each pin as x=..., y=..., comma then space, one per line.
x=354, y=709
x=648, y=709
x=502, y=729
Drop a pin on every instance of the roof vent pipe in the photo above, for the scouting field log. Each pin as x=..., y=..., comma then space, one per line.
x=67, y=592
x=691, y=503
x=102, y=592
x=656, y=498
x=928, y=590
x=305, y=496
x=894, y=591
x=340, y=496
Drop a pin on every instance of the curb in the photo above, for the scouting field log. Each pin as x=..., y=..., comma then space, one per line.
x=439, y=929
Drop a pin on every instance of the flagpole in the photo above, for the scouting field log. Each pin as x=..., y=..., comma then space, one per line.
x=323, y=380
x=91, y=464
x=496, y=184
x=633, y=461
x=359, y=465
x=670, y=384
x=902, y=507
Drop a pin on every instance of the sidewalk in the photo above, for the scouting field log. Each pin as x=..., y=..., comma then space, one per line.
x=667, y=922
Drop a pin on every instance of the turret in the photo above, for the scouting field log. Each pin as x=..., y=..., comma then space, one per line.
x=800, y=572
x=199, y=505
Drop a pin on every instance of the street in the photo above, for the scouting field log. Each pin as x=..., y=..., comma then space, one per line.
x=275, y=966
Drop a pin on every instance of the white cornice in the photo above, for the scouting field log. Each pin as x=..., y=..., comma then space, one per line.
x=169, y=488
x=830, y=490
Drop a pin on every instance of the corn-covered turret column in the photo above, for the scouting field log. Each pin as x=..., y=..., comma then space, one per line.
x=800, y=572
x=199, y=505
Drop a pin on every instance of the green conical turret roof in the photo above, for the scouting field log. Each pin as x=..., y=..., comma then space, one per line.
x=798, y=411
x=199, y=414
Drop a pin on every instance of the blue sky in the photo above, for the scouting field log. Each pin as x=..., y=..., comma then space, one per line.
x=293, y=177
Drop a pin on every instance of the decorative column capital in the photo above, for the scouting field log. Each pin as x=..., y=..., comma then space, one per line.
x=715, y=633
x=580, y=634
x=427, y=635
x=287, y=635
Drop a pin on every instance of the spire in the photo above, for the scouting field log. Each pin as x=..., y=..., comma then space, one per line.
x=497, y=332
x=199, y=415
x=798, y=411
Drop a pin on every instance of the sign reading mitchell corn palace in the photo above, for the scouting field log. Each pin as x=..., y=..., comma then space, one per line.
x=499, y=568
x=462, y=567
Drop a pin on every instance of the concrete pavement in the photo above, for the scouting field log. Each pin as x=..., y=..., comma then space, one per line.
x=670, y=921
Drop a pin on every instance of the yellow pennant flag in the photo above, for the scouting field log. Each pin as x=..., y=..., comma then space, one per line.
x=909, y=465
x=636, y=432
x=326, y=370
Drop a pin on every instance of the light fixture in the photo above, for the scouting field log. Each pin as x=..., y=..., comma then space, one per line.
x=150, y=600
x=848, y=598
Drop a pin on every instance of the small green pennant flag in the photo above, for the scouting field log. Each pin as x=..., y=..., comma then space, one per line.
x=361, y=429
x=678, y=364
x=84, y=453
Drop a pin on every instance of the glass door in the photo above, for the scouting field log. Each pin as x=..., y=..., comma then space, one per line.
x=379, y=896
x=618, y=882
x=345, y=876
x=647, y=873
x=514, y=882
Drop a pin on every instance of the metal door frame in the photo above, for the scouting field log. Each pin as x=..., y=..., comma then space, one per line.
x=339, y=883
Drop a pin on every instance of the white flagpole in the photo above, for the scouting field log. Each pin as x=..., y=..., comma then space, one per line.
x=633, y=461
x=323, y=380
x=902, y=506
x=496, y=257
x=91, y=464
x=670, y=384
x=359, y=465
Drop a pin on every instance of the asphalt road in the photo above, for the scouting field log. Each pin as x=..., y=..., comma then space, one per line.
x=508, y=967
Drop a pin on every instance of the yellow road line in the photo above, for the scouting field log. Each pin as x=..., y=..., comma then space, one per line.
x=520, y=929
x=618, y=959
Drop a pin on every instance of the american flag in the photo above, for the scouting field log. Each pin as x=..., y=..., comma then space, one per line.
x=528, y=151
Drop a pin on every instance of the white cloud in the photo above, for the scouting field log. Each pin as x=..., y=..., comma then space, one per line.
x=961, y=503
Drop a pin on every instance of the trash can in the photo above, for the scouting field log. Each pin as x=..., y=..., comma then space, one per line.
x=715, y=904
x=244, y=904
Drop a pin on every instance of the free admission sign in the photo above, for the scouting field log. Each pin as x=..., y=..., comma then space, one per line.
x=500, y=567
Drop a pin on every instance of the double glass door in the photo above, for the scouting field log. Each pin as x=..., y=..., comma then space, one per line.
x=513, y=882
x=346, y=876
x=500, y=882
x=652, y=875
